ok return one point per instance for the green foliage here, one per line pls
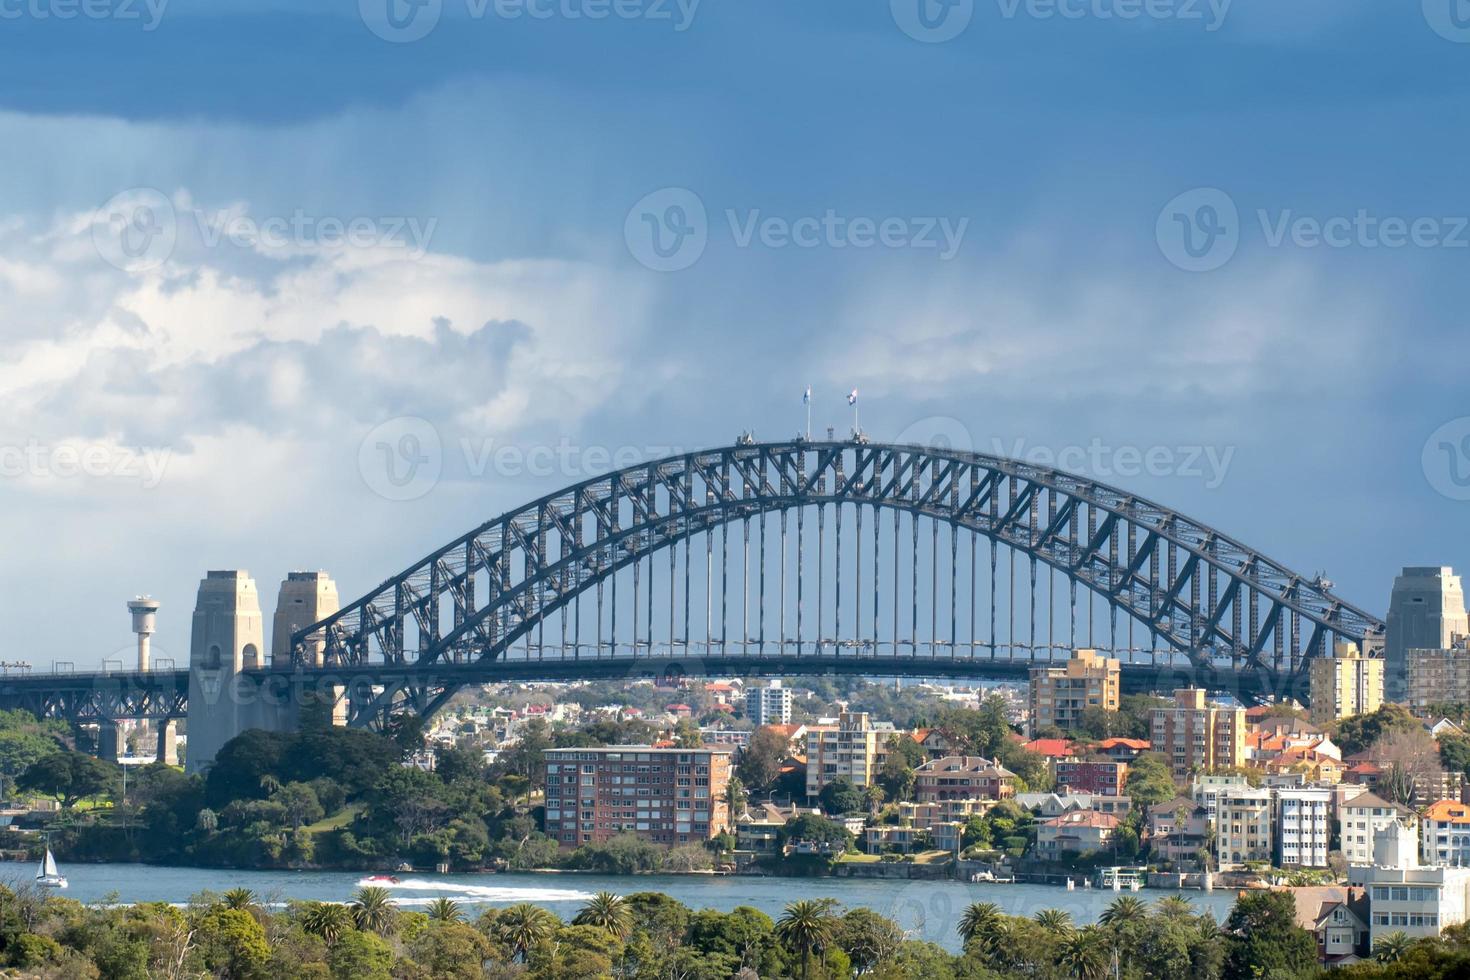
(69, 777)
(760, 760)
(1150, 780)
(1264, 939)
(840, 796)
(1361, 732)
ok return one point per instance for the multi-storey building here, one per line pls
(1059, 695)
(1081, 776)
(963, 777)
(1206, 791)
(1403, 895)
(1197, 736)
(1360, 818)
(854, 748)
(1243, 821)
(769, 704)
(1077, 832)
(1345, 684)
(1303, 827)
(1426, 611)
(1438, 676)
(664, 795)
(1179, 830)
(1444, 831)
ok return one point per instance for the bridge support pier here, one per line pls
(168, 742)
(228, 636)
(111, 742)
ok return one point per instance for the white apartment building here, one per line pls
(1403, 895)
(1303, 826)
(1206, 790)
(1444, 829)
(854, 747)
(768, 705)
(1362, 817)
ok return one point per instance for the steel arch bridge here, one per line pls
(1215, 612)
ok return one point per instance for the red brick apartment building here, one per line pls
(665, 795)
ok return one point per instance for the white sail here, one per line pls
(48, 866)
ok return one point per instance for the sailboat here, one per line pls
(47, 876)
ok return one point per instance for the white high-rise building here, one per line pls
(1303, 826)
(1426, 611)
(768, 705)
(1403, 895)
(1360, 818)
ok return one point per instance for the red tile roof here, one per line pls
(1054, 748)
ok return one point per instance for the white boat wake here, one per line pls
(477, 893)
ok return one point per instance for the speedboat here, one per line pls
(47, 876)
(381, 880)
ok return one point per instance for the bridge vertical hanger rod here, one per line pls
(934, 590)
(745, 590)
(649, 627)
(837, 580)
(709, 592)
(761, 601)
(637, 565)
(613, 579)
(821, 564)
(801, 541)
(688, 560)
(599, 619)
(857, 586)
(954, 616)
(875, 577)
(673, 585)
(990, 544)
(541, 590)
(896, 518)
(724, 581)
(781, 650)
(974, 547)
(914, 582)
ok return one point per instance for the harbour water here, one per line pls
(928, 910)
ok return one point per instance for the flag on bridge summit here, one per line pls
(806, 398)
(852, 397)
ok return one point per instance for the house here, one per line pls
(679, 710)
(1338, 917)
(1178, 830)
(1122, 749)
(1442, 726)
(1444, 833)
(963, 777)
(1362, 817)
(1052, 748)
(1052, 804)
(1313, 765)
(1077, 832)
(935, 743)
(1092, 776)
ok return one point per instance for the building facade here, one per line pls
(1082, 776)
(768, 704)
(1426, 611)
(1403, 895)
(1345, 684)
(1360, 818)
(1444, 833)
(1059, 695)
(1438, 676)
(664, 795)
(852, 748)
(1302, 830)
(1197, 736)
(963, 777)
(1243, 819)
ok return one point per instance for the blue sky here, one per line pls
(495, 169)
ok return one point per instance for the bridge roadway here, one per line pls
(83, 696)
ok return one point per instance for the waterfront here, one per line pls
(927, 910)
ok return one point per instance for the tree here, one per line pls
(301, 804)
(896, 776)
(807, 925)
(450, 950)
(231, 942)
(444, 910)
(1149, 780)
(523, 927)
(373, 910)
(1362, 732)
(827, 834)
(1411, 759)
(1124, 910)
(1084, 954)
(760, 760)
(1392, 947)
(841, 796)
(608, 912)
(1055, 921)
(242, 899)
(69, 777)
(867, 938)
(327, 920)
(978, 920)
(360, 956)
(1264, 939)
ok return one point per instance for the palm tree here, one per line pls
(1175, 907)
(270, 784)
(444, 910)
(807, 925)
(326, 919)
(608, 912)
(372, 910)
(1055, 921)
(1392, 947)
(523, 927)
(240, 899)
(1123, 911)
(978, 921)
(1084, 954)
